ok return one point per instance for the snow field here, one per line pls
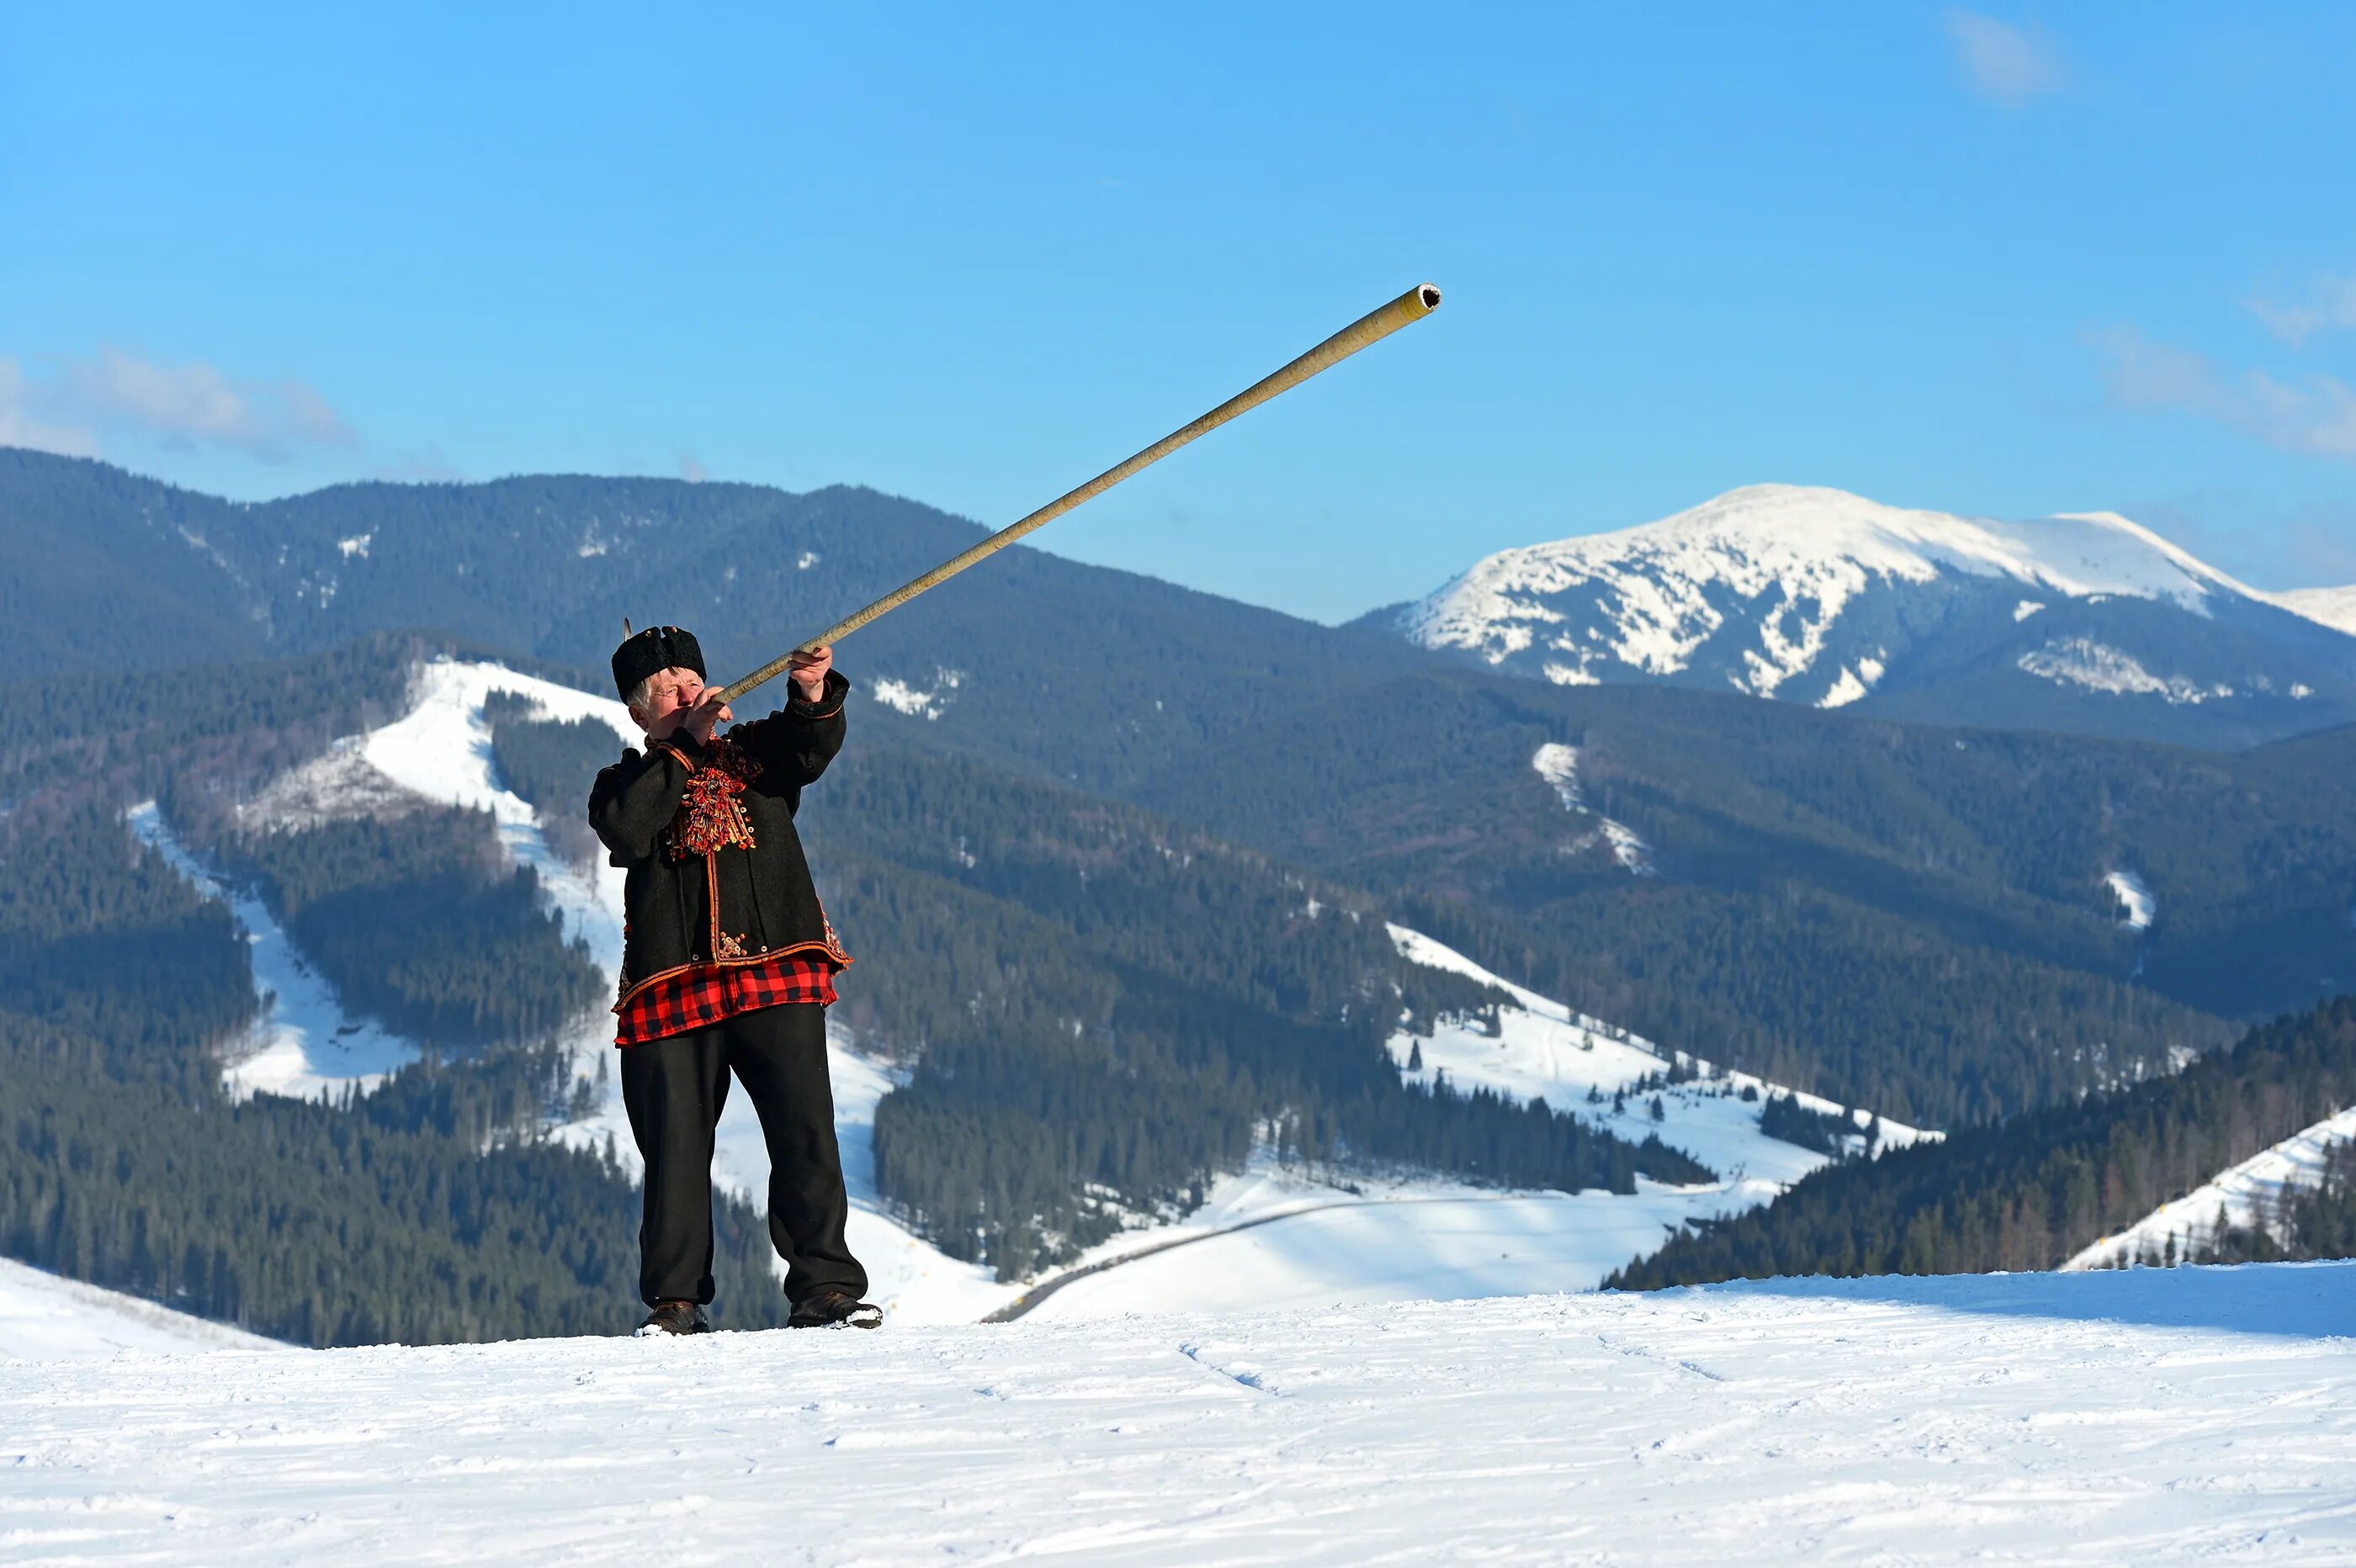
(2136, 904)
(44, 1317)
(2055, 1419)
(2098, 666)
(1276, 1236)
(2332, 607)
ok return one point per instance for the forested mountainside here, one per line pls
(1925, 920)
(2033, 1192)
(431, 1210)
(1102, 1010)
(1082, 673)
(418, 921)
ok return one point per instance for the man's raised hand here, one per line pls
(709, 713)
(809, 669)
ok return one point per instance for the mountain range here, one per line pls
(1975, 885)
(2087, 622)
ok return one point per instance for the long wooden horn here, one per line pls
(1413, 306)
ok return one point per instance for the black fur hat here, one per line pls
(657, 647)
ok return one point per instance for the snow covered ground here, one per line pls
(46, 1318)
(2332, 607)
(2243, 1195)
(2136, 902)
(2150, 1416)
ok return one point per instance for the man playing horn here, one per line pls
(728, 963)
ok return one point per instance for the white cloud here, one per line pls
(22, 425)
(181, 405)
(2009, 64)
(2330, 308)
(2317, 417)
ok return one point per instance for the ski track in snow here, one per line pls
(304, 1043)
(2243, 1195)
(1558, 765)
(2150, 1416)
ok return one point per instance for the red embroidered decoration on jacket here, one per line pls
(703, 996)
(710, 816)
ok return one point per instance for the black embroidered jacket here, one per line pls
(706, 834)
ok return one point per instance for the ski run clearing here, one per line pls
(2138, 1416)
(1267, 1236)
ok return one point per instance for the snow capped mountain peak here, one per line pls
(1754, 587)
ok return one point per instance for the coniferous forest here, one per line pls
(433, 1209)
(2032, 1192)
(2302, 1224)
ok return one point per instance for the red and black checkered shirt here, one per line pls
(703, 994)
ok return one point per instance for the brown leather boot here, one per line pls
(831, 1307)
(675, 1318)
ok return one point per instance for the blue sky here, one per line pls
(2007, 260)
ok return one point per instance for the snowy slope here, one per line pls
(2243, 1196)
(1287, 1237)
(1819, 596)
(46, 1318)
(2153, 1416)
(1543, 1050)
(2332, 607)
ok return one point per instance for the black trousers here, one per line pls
(674, 1088)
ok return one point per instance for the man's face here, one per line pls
(668, 692)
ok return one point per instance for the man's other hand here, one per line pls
(809, 669)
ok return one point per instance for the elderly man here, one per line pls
(728, 963)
